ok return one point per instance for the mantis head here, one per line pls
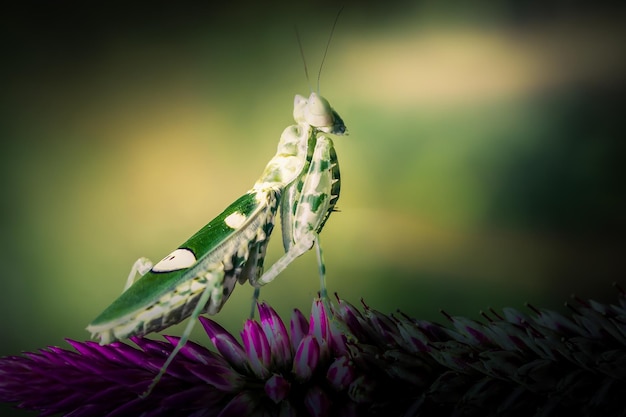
(317, 112)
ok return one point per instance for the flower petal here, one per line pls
(195, 352)
(277, 336)
(221, 377)
(353, 319)
(277, 388)
(361, 390)
(286, 409)
(318, 324)
(319, 327)
(257, 348)
(384, 328)
(317, 402)
(243, 404)
(226, 344)
(340, 373)
(299, 328)
(338, 337)
(307, 358)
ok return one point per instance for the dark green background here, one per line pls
(483, 167)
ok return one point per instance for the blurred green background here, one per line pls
(483, 166)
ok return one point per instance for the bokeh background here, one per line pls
(483, 166)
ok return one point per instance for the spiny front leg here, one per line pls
(320, 192)
(309, 203)
(294, 252)
(303, 245)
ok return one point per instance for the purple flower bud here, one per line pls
(307, 358)
(319, 328)
(257, 348)
(503, 334)
(116, 352)
(277, 336)
(452, 355)
(340, 374)
(299, 327)
(194, 351)
(226, 344)
(515, 316)
(153, 347)
(468, 331)
(286, 409)
(212, 401)
(557, 322)
(412, 339)
(384, 328)
(599, 307)
(434, 332)
(318, 324)
(277, 388)
(361, 390)
(337, 337)
(157, 351)
(220, 376)
(351, 316)
(317, 402)
(409, 376)
(243, 404)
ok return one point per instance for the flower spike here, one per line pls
(344, 362)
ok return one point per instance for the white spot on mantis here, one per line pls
(235, 220)
(179, 259)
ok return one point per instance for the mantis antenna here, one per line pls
(332, 30)
(306, 70)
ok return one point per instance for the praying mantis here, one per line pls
(301, 181)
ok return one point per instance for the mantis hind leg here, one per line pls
(211, 292)
(255, 301)
(322, 269)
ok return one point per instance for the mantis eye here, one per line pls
(299, 108)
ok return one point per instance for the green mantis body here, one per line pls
(301, 180)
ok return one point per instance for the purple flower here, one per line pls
(344, 361)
